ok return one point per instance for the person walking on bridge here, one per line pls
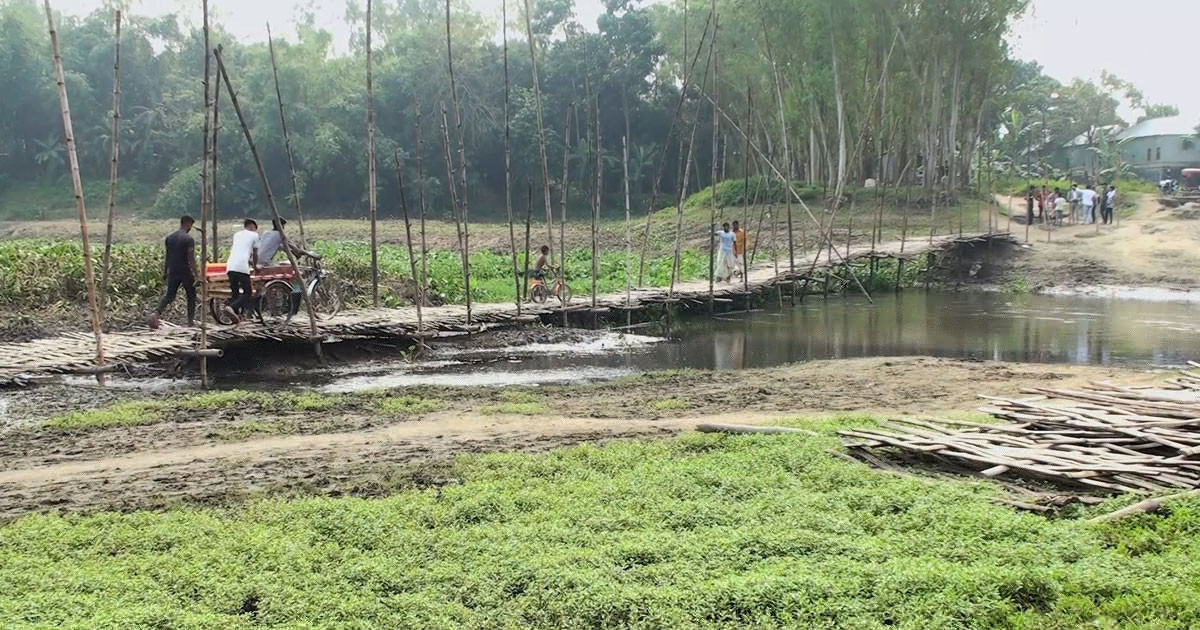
(242, 259)
(739, 249)
(179, 270)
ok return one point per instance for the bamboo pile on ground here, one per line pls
(1102, 438)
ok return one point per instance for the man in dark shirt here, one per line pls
(179, 268)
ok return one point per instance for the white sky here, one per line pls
(1148, 42)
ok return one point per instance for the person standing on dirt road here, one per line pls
(1087, 197)
(242, 255)
(179, 270)
(1110, 204)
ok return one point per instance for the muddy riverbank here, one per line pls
(208, 449)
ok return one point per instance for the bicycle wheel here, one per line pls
(216, 307)
(326, 301)
(275, 303)
(564, 293)
(539, 293)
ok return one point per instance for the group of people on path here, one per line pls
(1080, 205)
(731, 253)
(249, 251)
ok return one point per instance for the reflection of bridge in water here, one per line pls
(75, 353)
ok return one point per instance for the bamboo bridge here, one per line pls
(23, 363)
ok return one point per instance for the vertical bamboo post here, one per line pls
(205, 198)
(512, 237)
(537, 98)
(305, 297)
(787, 156)
(423, 284)
(372, 191)
(412, 258)
(452, 187)
(287, 140)
(106, 265)
(212, 176)
(462, 166)
(746, 204)
(596, 204)
(528, 223)
(77, 184)
(628, 222)
(716, 130)
(562, 206)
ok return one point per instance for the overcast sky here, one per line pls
(1148, 42)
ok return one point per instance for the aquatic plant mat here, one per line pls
(1102, 438)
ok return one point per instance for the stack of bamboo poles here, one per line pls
(1100, 438)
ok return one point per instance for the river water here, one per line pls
(971, 325)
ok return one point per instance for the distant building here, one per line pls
(1158, 148)
(1155, 149)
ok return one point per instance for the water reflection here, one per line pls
(990, 326)
(1042, 329)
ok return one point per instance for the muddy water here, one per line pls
(987, 326)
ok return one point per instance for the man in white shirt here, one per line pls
(1073, 200)
(1087, 197)
(242, 259)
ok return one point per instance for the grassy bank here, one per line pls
(699, 531)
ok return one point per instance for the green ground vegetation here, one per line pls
(408, 405)
(700, 531)
(119, 415)
(516, 402)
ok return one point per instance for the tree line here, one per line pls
(830, 92)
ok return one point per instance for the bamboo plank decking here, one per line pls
(74, 352)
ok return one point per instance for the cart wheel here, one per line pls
(275, 303)
(216, 307)
(326, 301)
(539, 293)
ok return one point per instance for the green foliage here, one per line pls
(1018, 286)
(516, 402)
(408, 405)
(48, 273)
(703, 531)
(737, 192)
(669, 404)
(118, 415)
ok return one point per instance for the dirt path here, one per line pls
(355, 451)
(1150, 248)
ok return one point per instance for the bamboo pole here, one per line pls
(528, 223)
(462, 167)
(205, 202)
(746, 203)
(716, 129)
(452, 188)
(412, 258)
(372, 191)
(537, 98)
(77, 184)
(562, 206)
(423, 286)
(512, 237)
(787, 156)
(287, 140)
(306, 298)
(106, 265)
(212, 177)
(628, 222)
(596, 203)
